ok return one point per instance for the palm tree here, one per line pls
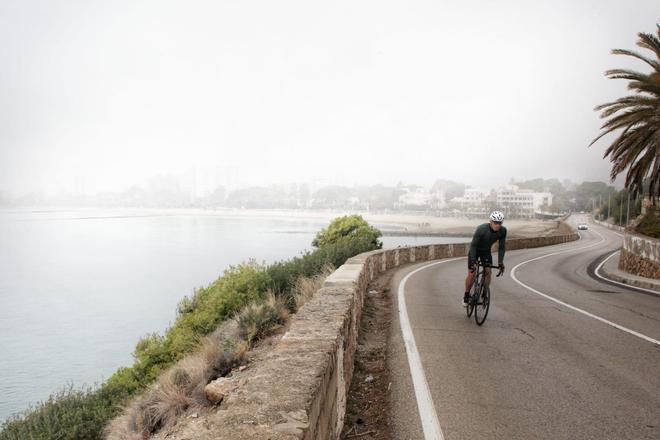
(637, 147)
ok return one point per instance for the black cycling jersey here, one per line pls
(483, 240)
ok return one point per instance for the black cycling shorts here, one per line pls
(485, 256)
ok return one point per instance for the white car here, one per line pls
(582, 226)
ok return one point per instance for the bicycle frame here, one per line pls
(480, 274)
(477, 289)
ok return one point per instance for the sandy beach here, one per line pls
(421, 224)
(390, 224)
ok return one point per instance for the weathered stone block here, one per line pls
(637, 265)
(218, 389)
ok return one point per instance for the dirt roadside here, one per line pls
(367, 412)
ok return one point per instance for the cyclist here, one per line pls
(482, 240)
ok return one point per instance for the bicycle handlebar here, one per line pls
(490, 266)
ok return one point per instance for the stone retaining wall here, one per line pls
(640, 255)
(299, 391)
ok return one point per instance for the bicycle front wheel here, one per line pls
(482, 306)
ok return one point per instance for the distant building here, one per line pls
(438, 199)
(473, 198)
(542, 199)
(516, 202)
(414, 196)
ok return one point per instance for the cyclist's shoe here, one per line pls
(466, 299)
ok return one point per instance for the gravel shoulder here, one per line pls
(367, 415)
(381, 386)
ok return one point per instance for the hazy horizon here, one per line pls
(106, 95)
(200, 189)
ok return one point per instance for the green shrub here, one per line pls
(348, 226)
(283, 275)
(238, 286)
(68, 415)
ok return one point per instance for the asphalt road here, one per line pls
(536, 369)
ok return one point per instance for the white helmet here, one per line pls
(497, 216)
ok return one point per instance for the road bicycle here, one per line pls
(479, 301)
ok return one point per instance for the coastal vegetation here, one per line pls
(218, 323)
(649, 225)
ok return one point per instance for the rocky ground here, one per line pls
(197, 421)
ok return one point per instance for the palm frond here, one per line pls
(654, 64)
(626, 74)
(650, 87)
(627, 101)
(625, 120)
(648, 41)
(636, 118)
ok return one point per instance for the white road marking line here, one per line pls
(577, 309)
(427, 413)
(630, 286)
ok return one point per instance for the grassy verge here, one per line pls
(83, 414)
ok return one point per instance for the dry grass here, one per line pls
(180, 389)
(260, 319)
(306, 287)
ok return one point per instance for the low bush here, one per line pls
(649, 224)
(69, 414)
(348, 226)
(283, 275)
(259, 319)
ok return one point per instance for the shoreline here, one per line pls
(403, 223)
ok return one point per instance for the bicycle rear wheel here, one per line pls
(482, 305)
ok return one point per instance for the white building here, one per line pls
(473, 197)
(521, 202)
(438, 199)
(542, 199)
(415, 196)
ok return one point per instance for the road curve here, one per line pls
(537, 369)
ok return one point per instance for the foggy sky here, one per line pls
(347, 92)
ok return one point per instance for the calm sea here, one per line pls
(78, 288)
